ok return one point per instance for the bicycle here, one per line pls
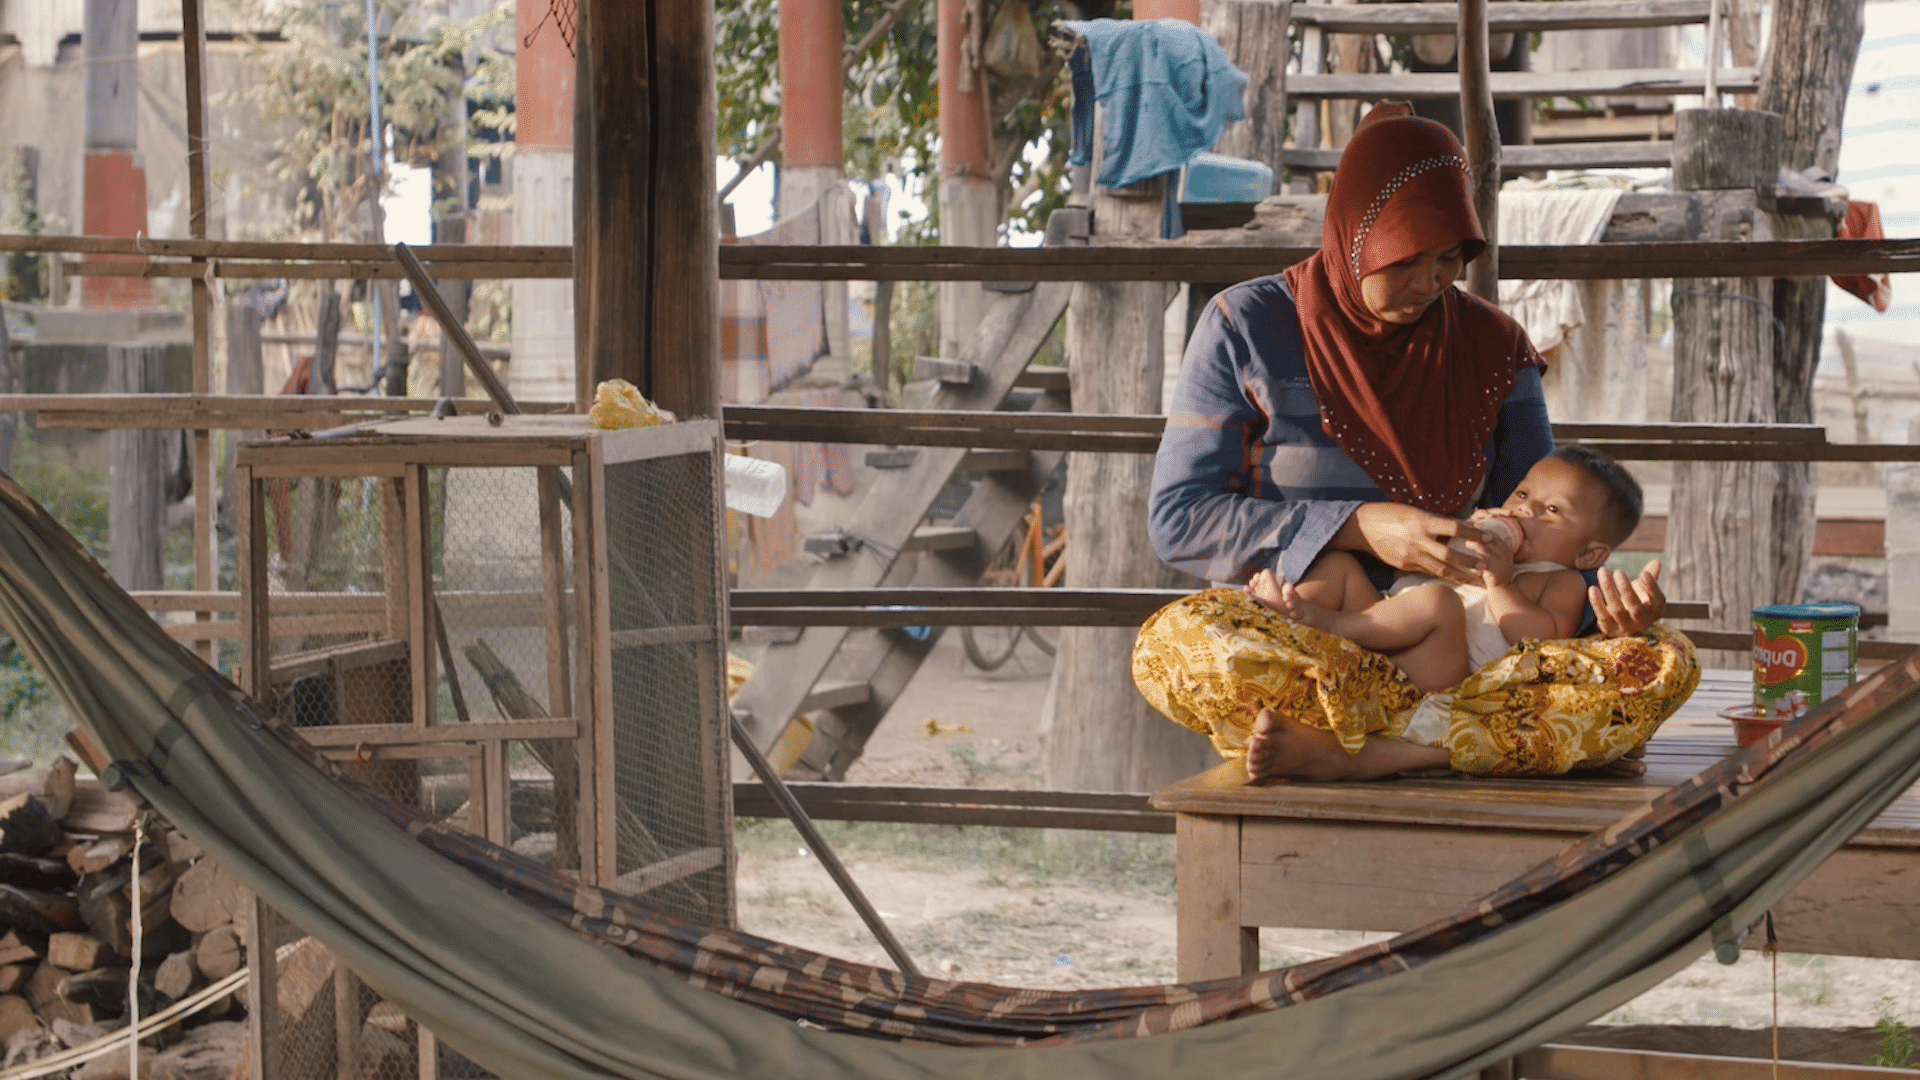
(1033, 557)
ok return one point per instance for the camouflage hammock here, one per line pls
(531, 976)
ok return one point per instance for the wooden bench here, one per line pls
(1395, 855)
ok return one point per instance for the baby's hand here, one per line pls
(1265, 587)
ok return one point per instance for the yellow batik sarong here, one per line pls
(1213, 660)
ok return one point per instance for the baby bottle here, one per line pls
(1504, 527)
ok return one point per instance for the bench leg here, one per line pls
(1212, 943)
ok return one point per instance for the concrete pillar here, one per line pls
(543, 339)
(114, 185)
(969, 198)
(812, 161)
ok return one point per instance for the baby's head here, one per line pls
(1574, 507)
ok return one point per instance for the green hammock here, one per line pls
(532, 977)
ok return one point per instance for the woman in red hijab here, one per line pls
(1358, 401)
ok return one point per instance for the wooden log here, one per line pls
(1720, 546)
(13, 977)
(1102, 736)
(16, 950)
(97, 856)
(136, 485)
(15, 1016)
(77, 952)
(218, 954)
(35, 872)
(1505, 18)
(176, 975)
(106, 911)
(57, 786)
(26, 828)
(206, 897)
(43, 993)
(97, 811)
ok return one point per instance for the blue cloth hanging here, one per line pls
(1168, 88)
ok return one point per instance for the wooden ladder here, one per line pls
(1318, 19)
(850, 679)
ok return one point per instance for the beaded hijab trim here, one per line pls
(1386, 193)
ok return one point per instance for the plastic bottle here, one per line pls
(755, 485)
(1497, 525)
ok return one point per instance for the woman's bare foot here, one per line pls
(1283, 748)
(1286, 749)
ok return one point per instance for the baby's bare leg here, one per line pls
(1422, 630)
(1283, 748)
(1336, 580)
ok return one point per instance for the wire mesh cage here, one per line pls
(518, 630)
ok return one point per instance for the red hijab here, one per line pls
(1413, 404)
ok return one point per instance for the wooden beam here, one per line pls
(1502, 18)
(1106, 811)
(1564, 1062)
(1615, 155)
(1623, 82)
(1150, 261)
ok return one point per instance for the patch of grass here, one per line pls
(1019, 858)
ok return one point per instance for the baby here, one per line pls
(1572, 508)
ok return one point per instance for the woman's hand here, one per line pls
(1409, 538)
(1622, 606)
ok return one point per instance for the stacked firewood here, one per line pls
(67, 851)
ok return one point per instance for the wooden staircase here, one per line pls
(1318, 19)
(853, 679)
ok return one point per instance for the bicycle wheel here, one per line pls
(1041, 640)
(989, 647)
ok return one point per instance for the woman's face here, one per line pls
(1400, 292)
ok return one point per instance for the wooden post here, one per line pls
(1254, 37)
(1805, 77)
(1720, 545)
(1481, 131)
(326, 342)
(246, 374)
(646, 227)
(1100, 733)
(9, 384)
(136, 485)
(206, 539)
(451, 228)
(263, 986)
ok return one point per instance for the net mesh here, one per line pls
(347, 647)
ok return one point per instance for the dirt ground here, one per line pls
(1020, 908)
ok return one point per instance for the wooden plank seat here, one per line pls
(1397, 854)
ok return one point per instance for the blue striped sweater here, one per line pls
(1247, 480)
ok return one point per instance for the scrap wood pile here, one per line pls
(66, 931)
